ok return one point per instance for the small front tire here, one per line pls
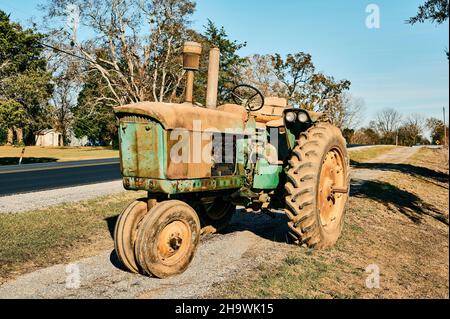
(167, 239)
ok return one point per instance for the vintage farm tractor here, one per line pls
(198, 163)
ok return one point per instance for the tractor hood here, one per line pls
(183, 116)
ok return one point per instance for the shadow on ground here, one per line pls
(272, 226)
(402, 201)
(416, 171)
(26, 160)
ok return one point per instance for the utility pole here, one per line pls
(445, 129)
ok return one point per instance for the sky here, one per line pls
(396, 65)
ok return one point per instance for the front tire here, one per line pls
(318, 186)
(167, 239)
(125, 233)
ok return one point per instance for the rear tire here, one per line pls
(318, 186)
(167, 239)
(217, 214)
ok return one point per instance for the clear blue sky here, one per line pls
(397, 65)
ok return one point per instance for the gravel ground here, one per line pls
(36, 200)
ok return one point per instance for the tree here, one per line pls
(137, 48)
(24, 79)
(259, 72)
(411, 130)
(303, 86)
(387, 123)
(92, 115)
(230, 62)
(365, 136)
(346, 112)
(12, 115)
(436, 11)
(436, 128)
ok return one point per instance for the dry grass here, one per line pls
(398, 222)
(67, 232)
(365, 154)
(37, 154)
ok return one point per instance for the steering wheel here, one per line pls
(248, 96)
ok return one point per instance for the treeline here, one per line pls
(391, 128)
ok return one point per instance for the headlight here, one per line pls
(303, 117)
(291, 117)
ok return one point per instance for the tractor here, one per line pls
(198, 163)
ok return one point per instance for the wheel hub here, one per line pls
(332, 186)
(173, 242)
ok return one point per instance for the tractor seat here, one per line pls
(272, 110)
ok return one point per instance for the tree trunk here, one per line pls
(10, 139)
(19, 134)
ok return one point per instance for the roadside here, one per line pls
(252, 259)
(10, 155)
(40, 200)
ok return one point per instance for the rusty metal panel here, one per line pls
(183, 186)
(194, 164)
(142, 147)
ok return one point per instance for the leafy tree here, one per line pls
(12, 115)
(436, 11)
(366, 136)
(436, 128)
(23, 77)
(230, 62)
(305, 87)
(93, 115)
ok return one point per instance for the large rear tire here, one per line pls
(318, 186)
(167, 239)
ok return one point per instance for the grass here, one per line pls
(40, 238)
(365, 154)
(35, 154)
(434, 158)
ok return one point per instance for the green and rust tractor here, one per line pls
(199, 163)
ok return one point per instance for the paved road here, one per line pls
(16, 179)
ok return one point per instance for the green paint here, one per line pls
(266, 176)
(142, 147)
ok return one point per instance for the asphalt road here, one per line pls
(16, 179)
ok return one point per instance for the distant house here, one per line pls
(48, 138)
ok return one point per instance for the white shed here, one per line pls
(48, 138)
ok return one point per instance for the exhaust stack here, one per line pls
(213, 78)
(191, 63)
